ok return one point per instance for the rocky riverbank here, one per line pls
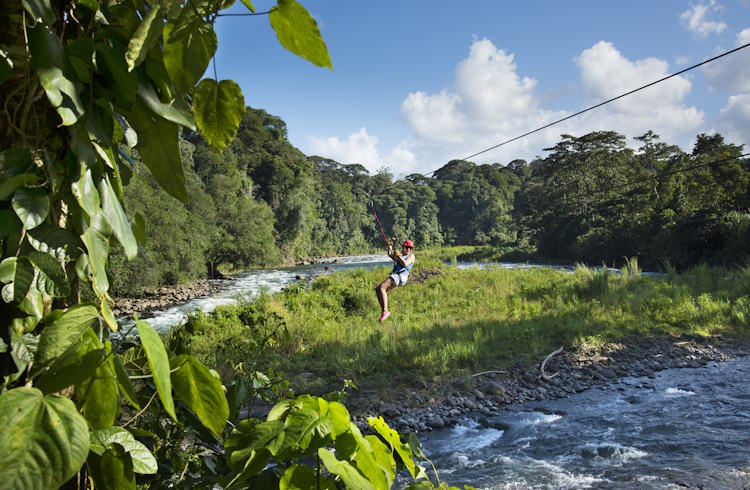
(483, 394)
(167, 296)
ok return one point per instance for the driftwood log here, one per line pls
(544, 363)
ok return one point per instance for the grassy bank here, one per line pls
(458, 322)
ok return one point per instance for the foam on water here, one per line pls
(539, 418)
(469, 435)
(677, 391)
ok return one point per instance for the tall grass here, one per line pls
(463, 321)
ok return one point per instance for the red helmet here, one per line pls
(408, 243)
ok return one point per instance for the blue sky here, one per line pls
(417, 83)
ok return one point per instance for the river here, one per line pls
(683, 428)
(678, 428)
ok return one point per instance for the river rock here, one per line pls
(494, 388)
(436, 422)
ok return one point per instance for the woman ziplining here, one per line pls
(402, 264)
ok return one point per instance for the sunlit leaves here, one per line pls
(18, 274)
(158, 146)
(43, 441)
(50, 239)
(346, 471)
(48, 58)
(249, 5)
(218, 108)
(97, 395)
(300, 477)
(96, 239)
(201, 391)
(31, 204)
(394, 440)
(64, 331)
(51, 279)
(144, 37)
(177, 111)
(158, 363)
(85, 192)
(143, 461)
(187, 53)
(117, 218)
(298, 32)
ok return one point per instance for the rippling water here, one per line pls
(683, 428)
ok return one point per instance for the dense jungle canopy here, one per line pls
(591, 198)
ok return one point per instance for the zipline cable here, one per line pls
(603, 103)
(372, 206)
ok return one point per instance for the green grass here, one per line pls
(462, 322)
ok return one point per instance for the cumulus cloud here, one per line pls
(492, 102)
(489, 102)
(359, 147)
(734, 119)
(733, 72)
(606, 73)
(696, 20)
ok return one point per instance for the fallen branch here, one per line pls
(544, 363)
(472, 376)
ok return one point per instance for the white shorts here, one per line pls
(400, 278)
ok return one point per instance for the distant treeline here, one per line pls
(591, 199)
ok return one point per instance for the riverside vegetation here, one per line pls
(448, 324)
(85, 86)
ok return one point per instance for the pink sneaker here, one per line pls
(384, 315)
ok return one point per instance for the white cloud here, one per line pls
(606, 73)
(492, 102)
(359, 147)
(695, 19)
(734, 120)
(733, 72)
(682, 60)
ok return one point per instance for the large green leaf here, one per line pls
(394, 440)
(373, 458)
(298, 32)
(249, 437)
(195, 385)
(63, 332)
(159, 149)
(218, 108)
(117, 218)
(40, 9)
(112, 470)
(58, 242)
(97, 396)
(96, 239)
(9, 185)
(175, 111)
(31, 206)
(19, 275)
(143, 461)
(48, 58)
(144, 37)
(158, 363)
(352, 478)
(299, 477)
(304, 429)
(73, 367)
(85, 191)
(186, 56)
(51, 279)
(126, 387)
(43, 442)
(111, 64)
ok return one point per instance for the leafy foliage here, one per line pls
(91, 90)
